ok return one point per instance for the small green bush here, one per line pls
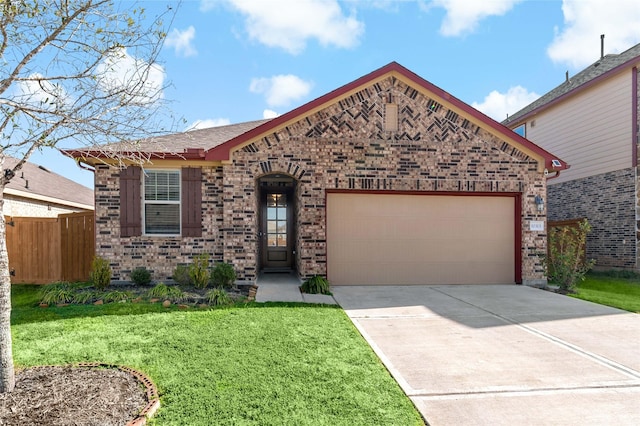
(100, 275)
(316, 285)
(141, 276)
(117, 296)
(566, 264)
(57, 293)
(223, 275)
(163, 291)
(199, 271)
(218, 297)
(181, 275)
(84, 297)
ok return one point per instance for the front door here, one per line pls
(277, 230)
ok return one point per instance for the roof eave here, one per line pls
(89, 155)
(48, 199)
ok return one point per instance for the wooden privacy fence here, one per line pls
(46, 250)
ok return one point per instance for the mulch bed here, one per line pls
(73, 396)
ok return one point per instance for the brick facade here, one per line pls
(608, 201)
(341, 147)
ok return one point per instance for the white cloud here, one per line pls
(497, 105)
(267, 113)
(578, 43)
(280, 90)
(136, 81)
(463, 15)
(207, 123)
(290, 24)
(41, 93)
(182, 41)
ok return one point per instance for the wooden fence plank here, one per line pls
(78, 245)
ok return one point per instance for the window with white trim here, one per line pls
(161, 206)
(521, 130)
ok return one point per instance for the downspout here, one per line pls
(85, 166)
(634, 115)
(634, 140)
(554, 176)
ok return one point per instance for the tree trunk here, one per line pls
(7, 374)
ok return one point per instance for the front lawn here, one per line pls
(270, 364)
(611, 290)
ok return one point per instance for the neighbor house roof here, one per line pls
(38, 183)
(604, 68)
(218, 143)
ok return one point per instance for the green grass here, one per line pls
(271, 364)
(611, 289)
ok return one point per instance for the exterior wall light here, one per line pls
(539, 203)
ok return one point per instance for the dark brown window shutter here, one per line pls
(192, 202)
(130, 199)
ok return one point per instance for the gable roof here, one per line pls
(218, 143)
(223, 151)
(39, 183)
(604, 68)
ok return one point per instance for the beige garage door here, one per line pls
(381, 239)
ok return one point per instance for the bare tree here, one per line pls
(79, 71)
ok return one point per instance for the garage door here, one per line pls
(382, 239)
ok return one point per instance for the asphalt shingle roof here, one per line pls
(37, 180)
(593, 71)
(196, 139)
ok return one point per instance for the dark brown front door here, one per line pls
(277, 230)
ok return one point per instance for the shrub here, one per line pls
(199, 271)
(223, 275)
(218, 297)
(84, 297)
(566, 263)
(141, 276)
(57, 293)
(181, 275)
(100, 275)
(316, 285)
(163, 291)
(117, 296)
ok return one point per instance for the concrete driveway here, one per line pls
(503, 355)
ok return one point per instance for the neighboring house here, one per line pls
(386, 180)
(37, 192)
(591, 121)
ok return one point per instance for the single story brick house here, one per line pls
(386, 180)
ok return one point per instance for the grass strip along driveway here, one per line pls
(622, 292)
(255, 364)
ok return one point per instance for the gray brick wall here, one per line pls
(608, 201)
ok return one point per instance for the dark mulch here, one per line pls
(72, 396)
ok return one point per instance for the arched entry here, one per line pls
(276, 222)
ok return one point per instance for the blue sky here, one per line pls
(229, 61)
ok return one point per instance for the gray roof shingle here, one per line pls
(38, 180)
(195, 139)
(593, 71)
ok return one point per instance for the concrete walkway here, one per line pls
(285, 287)
(503, 355)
